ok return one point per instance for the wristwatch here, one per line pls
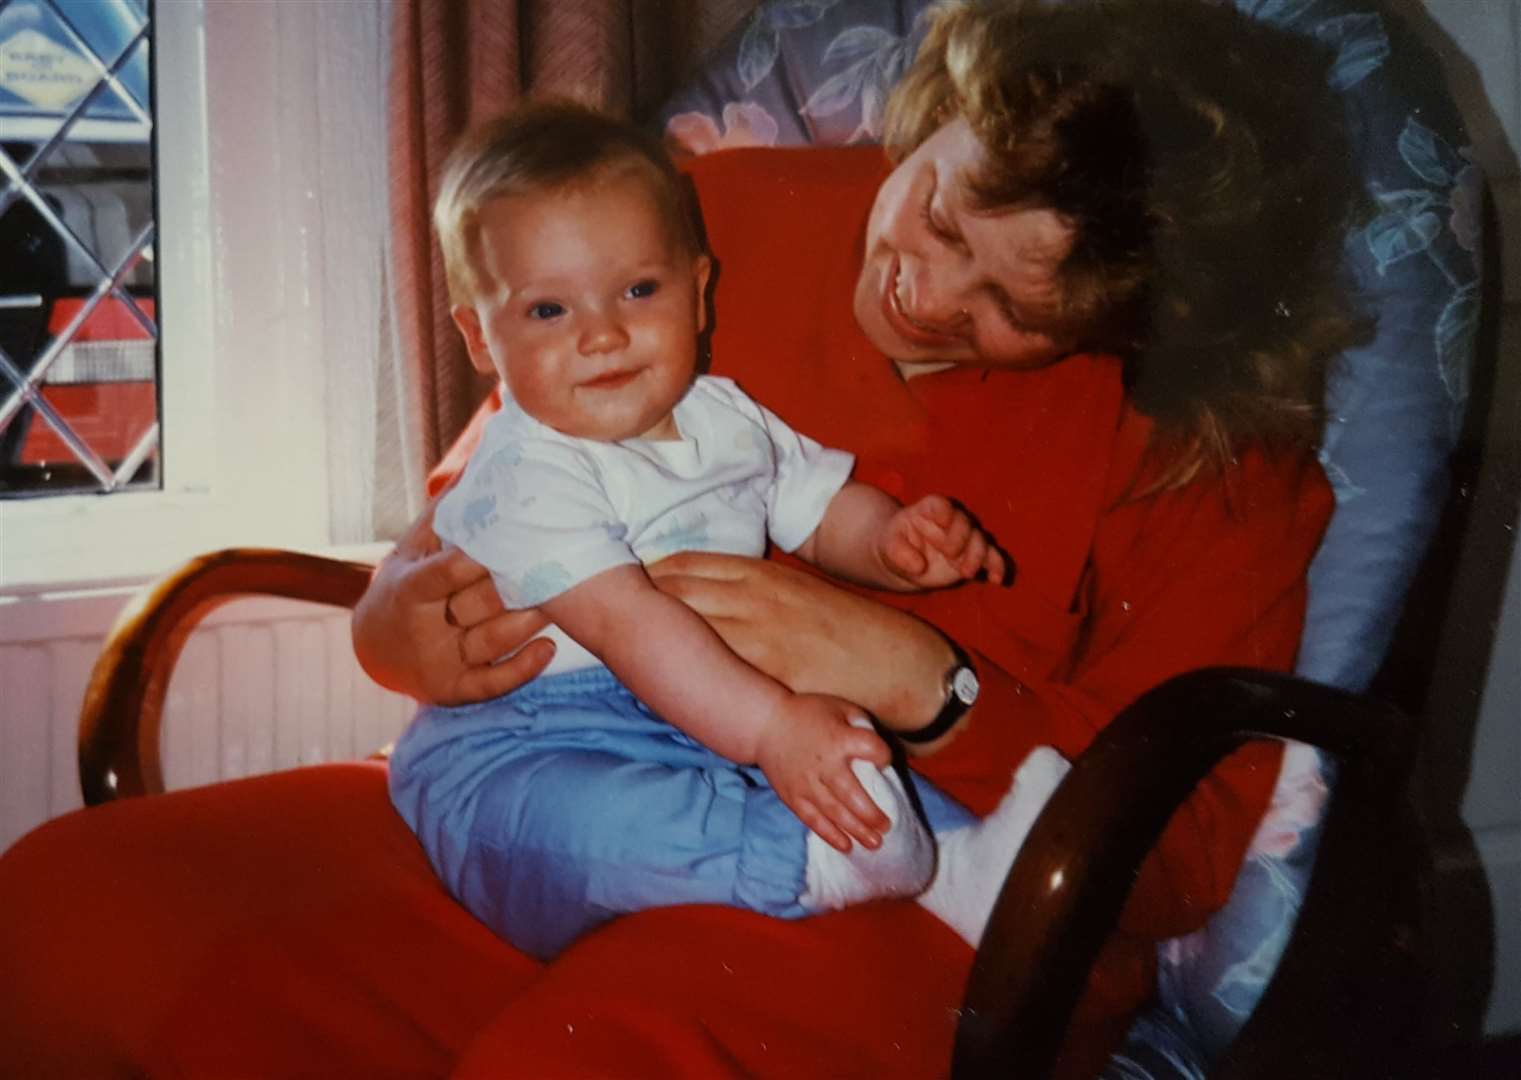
(961, 688)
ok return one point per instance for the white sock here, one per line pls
(900, 867)
(975, 859)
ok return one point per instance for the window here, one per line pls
(269, 135)
(78, 336)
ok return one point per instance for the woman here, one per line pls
(1092, 299)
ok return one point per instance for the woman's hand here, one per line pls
(432, 626)
(815, 637)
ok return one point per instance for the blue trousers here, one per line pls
(557, 807)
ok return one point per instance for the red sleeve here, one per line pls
(1209, 574)
(454, 460)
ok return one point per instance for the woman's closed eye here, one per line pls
(939, 228)
(936, 221)
(545, 309)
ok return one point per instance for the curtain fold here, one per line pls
(455, 63)
(451, 64)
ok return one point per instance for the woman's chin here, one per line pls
(904, 352)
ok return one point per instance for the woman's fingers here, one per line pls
(489, 641)
(703, 565)
(714, 586)
(812, 635)
(435, 578)
(483, 682)
(474, 604)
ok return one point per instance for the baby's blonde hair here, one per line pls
(545, 146)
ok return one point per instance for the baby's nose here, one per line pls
(602, 333)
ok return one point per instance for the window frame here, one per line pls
(243, 438)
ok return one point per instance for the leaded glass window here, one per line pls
(79, 362)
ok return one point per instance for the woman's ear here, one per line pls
(469, 322)
(702, 270)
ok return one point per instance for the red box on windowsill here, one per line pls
(103, 385)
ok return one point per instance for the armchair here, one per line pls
(1345, 999)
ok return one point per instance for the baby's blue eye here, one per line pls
(546, 310)
(643, 289)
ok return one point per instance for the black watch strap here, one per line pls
(961, 690)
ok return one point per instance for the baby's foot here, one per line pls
(900, 867)
(975, 859)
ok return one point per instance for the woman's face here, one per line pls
(943, 282)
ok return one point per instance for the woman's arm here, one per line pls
(1211, 574)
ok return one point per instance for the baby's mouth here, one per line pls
(612, 380)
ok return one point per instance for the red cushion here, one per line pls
(289, 924)
(286, 920)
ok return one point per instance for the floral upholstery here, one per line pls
(805, 71)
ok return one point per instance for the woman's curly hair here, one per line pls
(1201, 158)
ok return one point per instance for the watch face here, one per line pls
(964, 685)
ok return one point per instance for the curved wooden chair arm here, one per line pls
(1064, 894)
(119, 721)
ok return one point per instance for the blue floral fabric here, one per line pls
(819, 71)
(798, 72)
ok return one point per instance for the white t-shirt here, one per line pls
(545, 511)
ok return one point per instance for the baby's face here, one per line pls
(594, 308)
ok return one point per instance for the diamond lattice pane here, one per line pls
(78, 335)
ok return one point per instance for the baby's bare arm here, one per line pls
(868, 537)
(846, 540)
(676, 664)
(670, 659)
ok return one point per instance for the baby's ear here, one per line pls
(702, 270)
(469, 322)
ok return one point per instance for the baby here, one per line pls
(650, 765)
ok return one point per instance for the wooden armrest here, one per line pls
(1064, 894)
(119, 721)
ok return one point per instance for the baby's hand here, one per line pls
(806, 753)
(933, 543)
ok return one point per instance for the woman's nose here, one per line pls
(929, 293)
(601, 333)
